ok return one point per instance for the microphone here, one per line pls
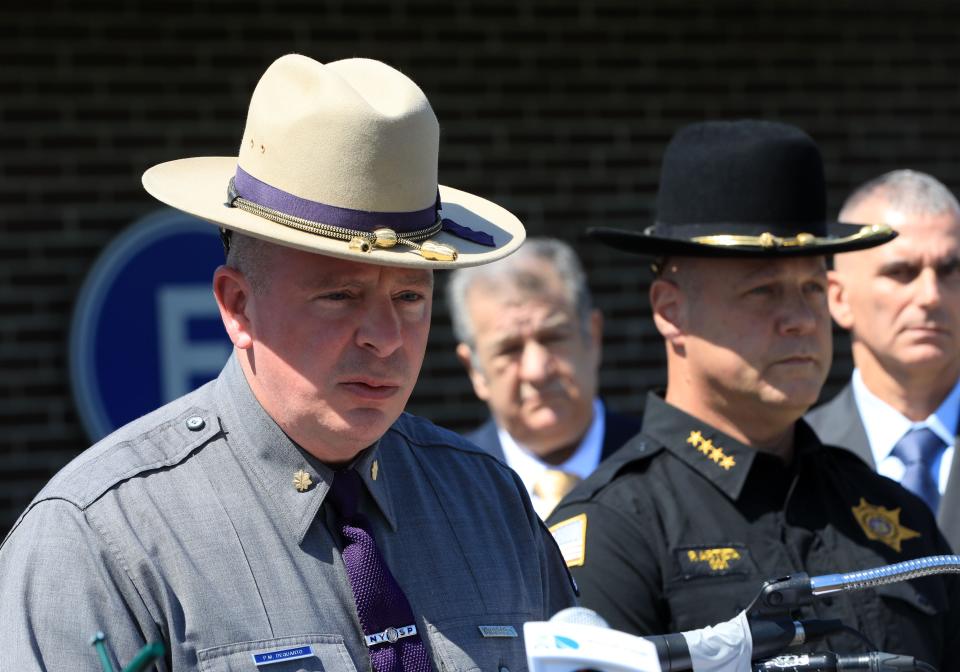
(732, 643)
(798, 590)
(874, 661)
(579, 639)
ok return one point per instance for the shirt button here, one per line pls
(195, 423)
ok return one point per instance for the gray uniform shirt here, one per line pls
(185, 527)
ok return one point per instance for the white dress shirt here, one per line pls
(582, 463)
(885, 426)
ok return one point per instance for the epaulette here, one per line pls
(632, 455)
(421, 432)
(160, 439)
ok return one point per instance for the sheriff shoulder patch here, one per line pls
(571, 537)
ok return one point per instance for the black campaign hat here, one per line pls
(743, 189)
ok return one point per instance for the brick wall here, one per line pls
(559, 109)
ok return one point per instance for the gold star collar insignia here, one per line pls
(711, 451)
(881, 524)
(302, 481)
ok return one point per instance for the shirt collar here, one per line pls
(274, 459)
(719, 458)
(885, 425)
(582, 463)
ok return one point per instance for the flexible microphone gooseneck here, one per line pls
(798, 590)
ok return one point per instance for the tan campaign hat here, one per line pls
(341, 159)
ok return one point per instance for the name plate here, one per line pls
(280, 655)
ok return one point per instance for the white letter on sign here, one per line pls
(181, 359)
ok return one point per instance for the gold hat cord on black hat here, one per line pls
(361, 241)
(767, 240)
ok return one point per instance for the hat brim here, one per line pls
(198, 186)
(840, 237)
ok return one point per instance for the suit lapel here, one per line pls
(617, 430)
(948, 517)
(486, 437)
(838, 423)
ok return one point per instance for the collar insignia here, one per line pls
(302, 481)
(706, 448)
(880, 524)
(374, 469)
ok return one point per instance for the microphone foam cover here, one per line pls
(579, 616)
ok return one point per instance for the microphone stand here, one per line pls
(781, 596)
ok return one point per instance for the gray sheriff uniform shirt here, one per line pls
(185, 527)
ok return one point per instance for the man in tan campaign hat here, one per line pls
(289, 511)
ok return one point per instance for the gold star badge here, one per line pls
(880, 524)
(302, 481)
(695, 438)
(374, 469)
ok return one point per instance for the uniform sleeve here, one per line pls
(558, 585)
(613, 564)
(60, 585)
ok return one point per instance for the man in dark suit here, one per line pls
(901, 304)
(530, 340)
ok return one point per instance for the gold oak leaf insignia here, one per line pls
(302, 481)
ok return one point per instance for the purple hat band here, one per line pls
(252, 189)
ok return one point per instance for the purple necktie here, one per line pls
(386, 617)
(919, 449)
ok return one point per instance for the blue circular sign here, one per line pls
(146, 328)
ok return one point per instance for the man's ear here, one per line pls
(838, 297)
(233, 294)
(667, 305)
(477, 379)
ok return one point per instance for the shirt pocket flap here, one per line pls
(491, 643)
(301, 653)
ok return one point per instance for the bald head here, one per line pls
(900, 199)
(901, 300)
